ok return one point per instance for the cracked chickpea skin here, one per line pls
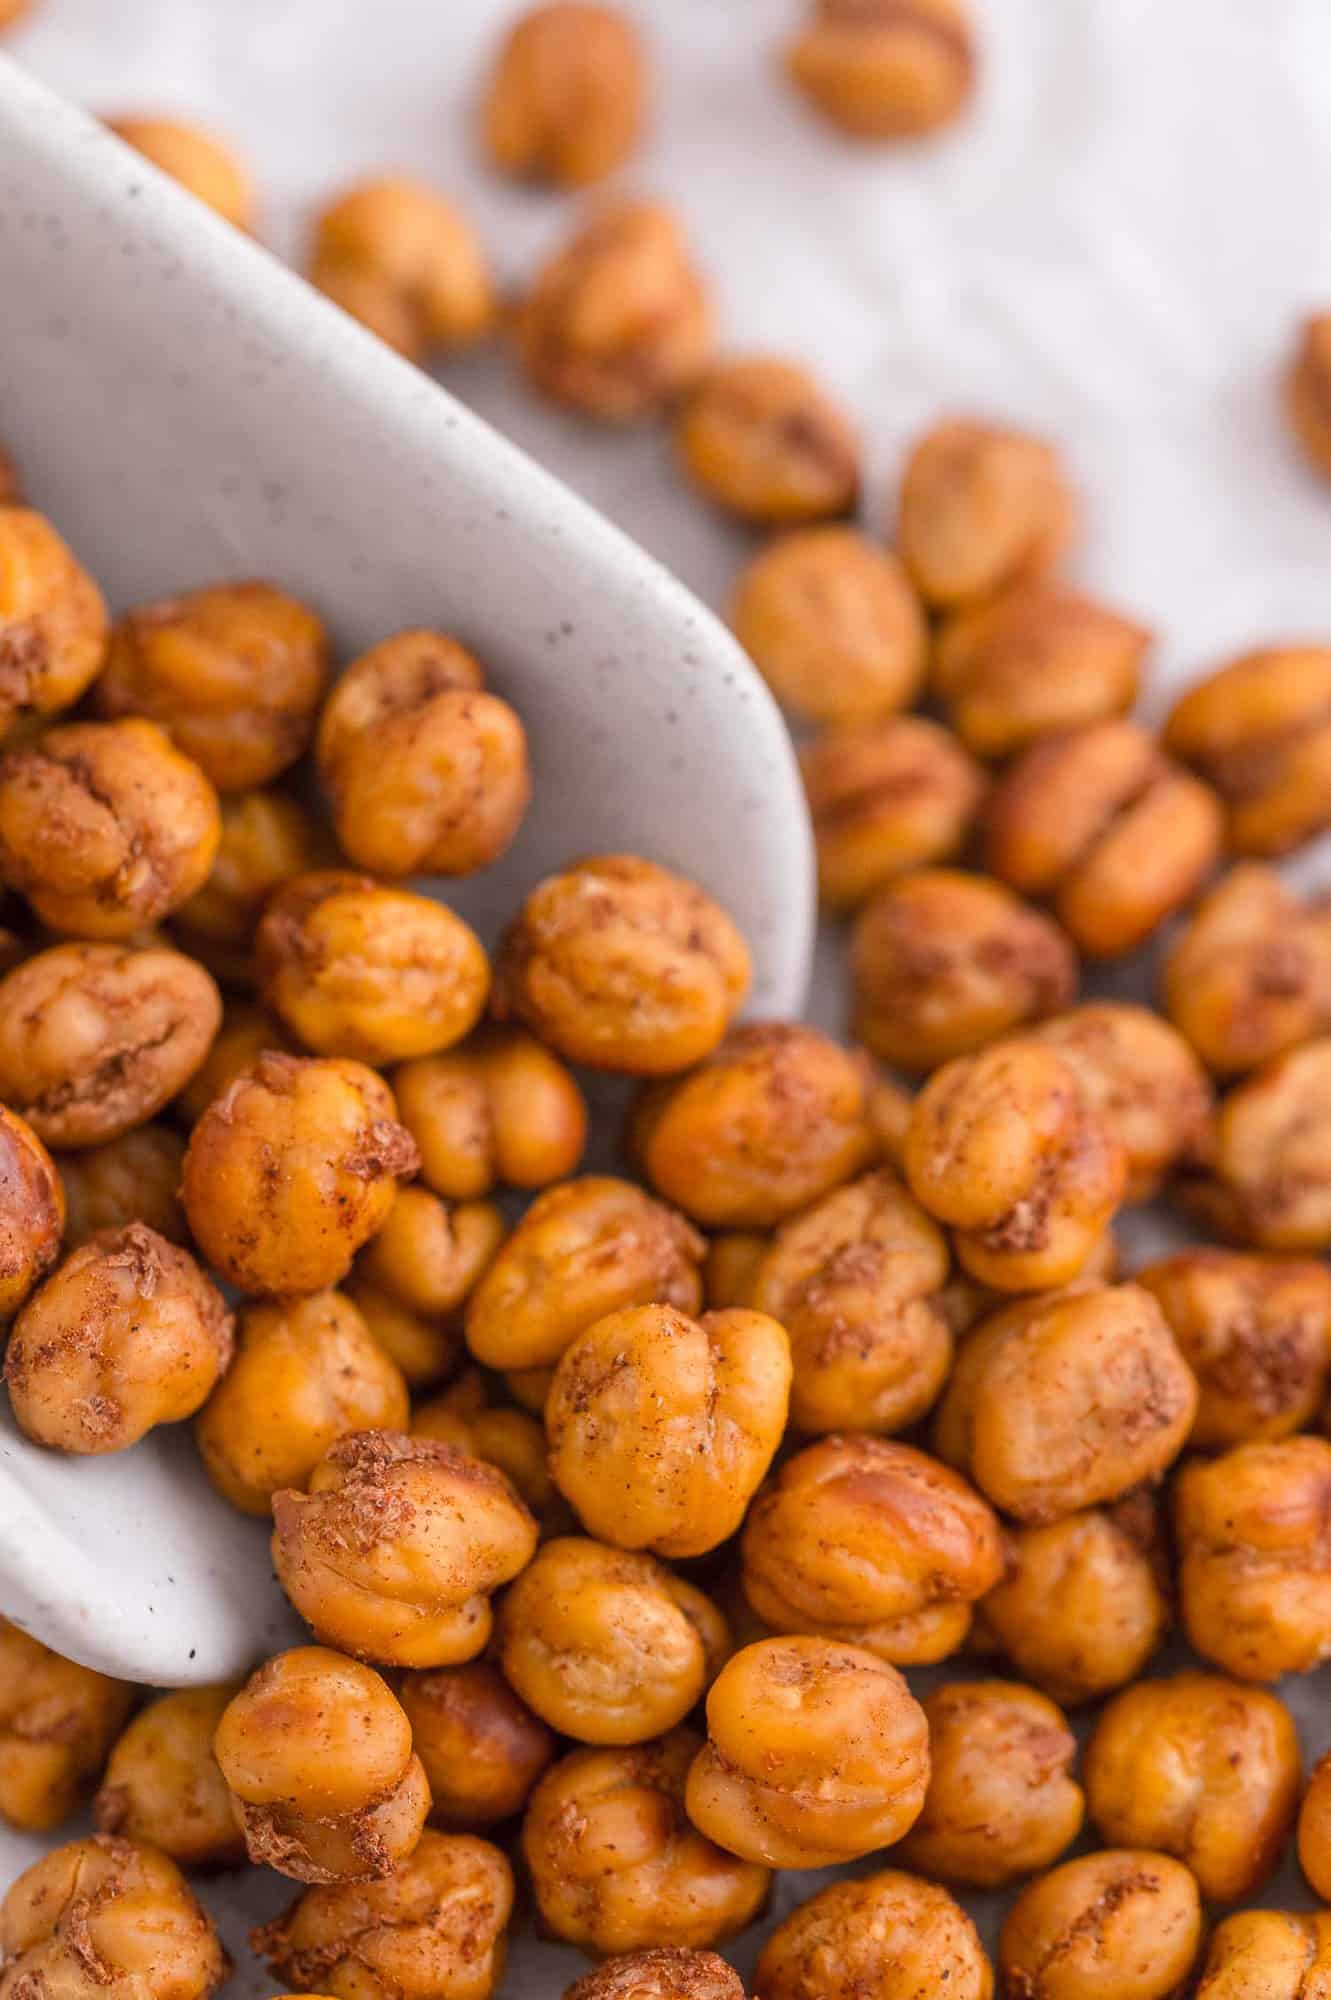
(1268, 1955)
(482, 1748)
(1144, 1080)
(667, 1973)
(163, 1785)
(1264, 1177)
(884, 70)
(566, 101)
(202, 163)
(891, 1934)
(762, 439)
(32, 1211)
(1259, 730)
(501, 1110)
(886, 798)
(57, 1722)
(1249, 976)
(407, 264)
(1125, 1923)
(267, 838)
(53, 622)
(981, 509)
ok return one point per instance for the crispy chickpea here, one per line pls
(32, 1211)
(425, 1347)
(1259, 730)
(618, 322)
(615, 1863)
(622, 965)
(202, 163)
(816, 1753)
(1307, 392)
(730, 1269)
(879, 69)
(1008, 1147)
(1315, 1826)
(425, 769)
(135, 1178)
(1268, 1955)
(886, 798)
(662, 1427)
(357, 969)
(833, 624)
(316, 1752)
(407, 264)
(233, 672)
(1201, 1768)
(163, 1784)
(248, 1031)
(566, 99)
(667, 1973)
(104, 1916)
(944, 962)
(1140, 1075)
(267, 839)
(292, 1169)
(868, 1541)
(1249, 977)
(307, 1372)
(483, 1749)
(1125, 1923)
(511, 1439)
(776, 1117)
(499, 1111)
(1264, 1177)
(763, 440)
(53, 621)
(981, 509)
(1254, 1541)
(583, 1249)
(891, 1935)
(104, 827)
(427, 1258)
(57, 1722)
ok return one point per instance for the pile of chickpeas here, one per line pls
(614, 1526)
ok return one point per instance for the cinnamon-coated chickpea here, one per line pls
(204, 165)
(501, 1110)
(247, 1032)
(833, 624)
(566, 101)
(316, 1752)
(1259, 730)
(666, 1973)
(53, 621)
(1315, 1827)
(878, 69)
(307, 1372)
(980, 509)
(104, 827)
(32, 1211)
(868, 1541)
(1268, 1955)
(267, 839)
(891, 1934)
(1249, 976)
(511, 1439)
(1125, 1923)
(163, 1785)
(234, 672)
(764, 440)
(1307, 392)
(407, 264)
(1264, 1176)
(618, 322)
(816, 1753)
(1139, 1073)
(426, 770)
(483, 1750)
(57, 1722)
(292, 1169)
(730, 1269)
(135, 1178)
(616, 1864)
(662, 1427)
(886, 798)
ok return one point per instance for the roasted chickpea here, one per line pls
(500, 1110)
(816, 1753)
(57, 1722)
(730, 1269)
(292, 1169)
(267, 839)
(135, 1178)
(619, 321)
(583, 1249)
(483, 1749)
(233, 672)
(763, 440)
(103, 1916)
(204, 165)
(833, 624)
(1008, 1147)
(886, 798)
(105, 828)
(566, 100)
(407, 264)
(1264, 1177)
(426, 770)
(882, 70)
(307, 1372)
(163, 1784)
(427, 1258)
(12, 11)
(945, 962)
(1268, 1955)
(1148, 1086)
(248, 1031)
(1254, 1543)
(53, 621)
(981, 509)
(890, 1935)
(316, 1752)
(1307, 390)
(1125, 1923)
(32, 1211)
(616, 1865)
(1259, 730)
(667, 1973)
(435, 1929)
(1249, 977)
(511, 1439)
(1315, 1825)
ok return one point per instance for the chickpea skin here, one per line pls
(664, 1974)
(617, 1866)
(891, 1935)
(981, 509)
(53, 622)
(879, 70)
(1249, 976)
(566, 102)
(57, 1722)
(816, 1753)
(500, 1111)
(886, 798)
(763, 440)
(292, 1169)
(1315, 1828)
(407, 264)
(483, 1750)
(204, 165)
(425, 769)
(163, 1785)
(135, 1178)
(32, 1211)
(1125, 1923)
(1259, 730)
(1268, 1955)
(1307, 392)
(1144, 1080)
(267, 839)
(511, 1439)
(1264, 1177)
(233, 672)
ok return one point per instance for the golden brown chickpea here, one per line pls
(500, 1110)
(407, 264)
(233, 672)
(307, 1372)
(879, 69)
(247, 1032)
(32, 1211)
(763, 440)
(53, 621)
(428, 1257)
(426, 770)
(1254, 1544)
(615, 1864)
(292, 1169)
(202, 163)
(1264, 1176)
(105, 828)
(357, 969)
(981, 509)
(816, 1753)
(511, 1439)
(1249, 977)
(103, 1916)
(1008, 1148)
(483, 1749)
(886, 798)
(57, 1722)
(566, 99)
(135, 1178)
(945, 962)
(1315, 1826)
(393, 1552)
(776, 1117)
(1125, 1923)
(529, 1388)
(316, 1752)
(868, 1541)
(163, 1784)
(1268, 1955)
(267, 839)
(427, 1349)
(667, 1973)
(1259, 730)
(833, 624)
(730, 1269)
(662, 1427)
(618, 322)
(1140, 1075)
(890, 1935)
(1201, 1768)
(1307, 390)
(583, 1249)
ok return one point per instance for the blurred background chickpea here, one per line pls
(135, 1178)
(1144, 1080)
(764, 440)
(730, 1269)
(247, 1032)
(205, 165)
(483, 1750)
(1259, 730)
(885, 71)
(1307, 389)
(566, 101)
(163, 1785)
(501, 1110)
(407, 264)
(267, 839)
(463, 1415)
(667, 1973)
(1267, 1955)
(890, 1934)
(886, 798)
(32, 1211)
(1315, 1828)
(430, 1253)
(1126, 1923)
(423, 1345)
(1264, 1178)
(980, 509)
(57, 1722)
(53, 621)
(1249, 975)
